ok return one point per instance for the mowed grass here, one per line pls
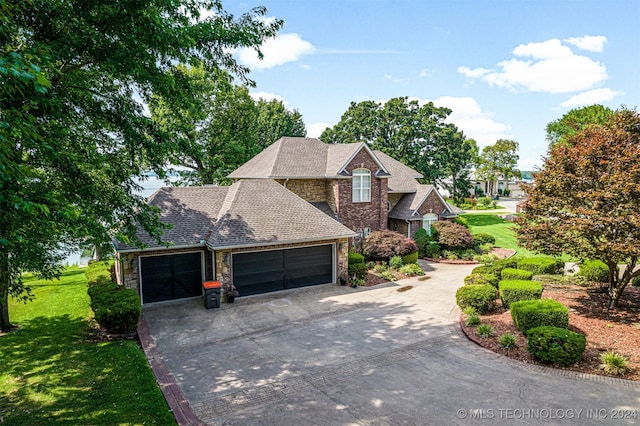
(501, 229)
(52, 373)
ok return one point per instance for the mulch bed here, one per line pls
(606, 330)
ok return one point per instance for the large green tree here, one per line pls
(275, 120)
(575, 121)
(498, 161)
(586, 200)
(414, 134)
(209, 123)
(73, 130)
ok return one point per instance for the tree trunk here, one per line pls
(5, 325)
(614, 295)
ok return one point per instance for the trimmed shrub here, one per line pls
(355, 258)
(483, 269)
(480, 297)
(453, 236)
(516, 290)
(499, 265)
(359, 270)
(115, 308)
(432, 249)
(515, 274)
(410, 258)
(395, 262)
(541, 265)
(412, 269)
(382, 245)
(98, 273)
(528, 314)
(556, 345)
(422, 239)
(483, 238)
(481, 279)
(594, 270)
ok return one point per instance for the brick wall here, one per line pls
(372, 214)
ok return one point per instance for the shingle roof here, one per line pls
(249, 212)
(408, 205)
(293, 157)
(403, 178)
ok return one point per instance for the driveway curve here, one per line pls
(389, 354)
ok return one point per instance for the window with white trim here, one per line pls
(428, 220)
(361, 185)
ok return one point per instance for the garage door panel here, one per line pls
(171, 277)
(262, 272)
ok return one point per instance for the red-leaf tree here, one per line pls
(586, 200)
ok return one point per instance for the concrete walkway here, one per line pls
(368, 356)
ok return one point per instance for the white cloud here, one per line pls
(426, 73)
(590, 43)
(591, 97)
(554, 68)
(277, 51)
(256, 96)
(315, 130)
(468, 116)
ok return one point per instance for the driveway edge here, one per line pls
(178, 404)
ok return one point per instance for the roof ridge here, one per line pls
(229, 198)
(275, 158)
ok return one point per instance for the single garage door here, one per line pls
(171, 277)
(265, 271)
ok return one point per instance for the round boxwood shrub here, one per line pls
(410, 258)
(541, 265)
(115, 308)
(355, 258)
(483, 238)
(481, 279)
(382, 245)
(556, 345)
(528, 314)
(482, 269)
(359, 270)
(452, 236)
(594, 270)
(497, 266)
(515, 274)
(515, 290)
(480, 297)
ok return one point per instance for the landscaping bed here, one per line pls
(616, 330)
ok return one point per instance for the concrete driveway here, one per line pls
(340, 356)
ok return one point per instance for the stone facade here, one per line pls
(393, 199)
(311, 190)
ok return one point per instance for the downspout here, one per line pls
(408, 228)
(285, 182)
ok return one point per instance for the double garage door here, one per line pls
(265, 271)
(180, 276)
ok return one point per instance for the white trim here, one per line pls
(202, 271)
(162, 248)
(366, 147)
(361, 173)
(279, 243)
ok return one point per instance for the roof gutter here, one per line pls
(135, 250)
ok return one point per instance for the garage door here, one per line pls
(265, 271)
(171, 277)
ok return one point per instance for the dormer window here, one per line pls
(361, 186)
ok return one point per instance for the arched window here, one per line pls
(361, 185)
(428, 220)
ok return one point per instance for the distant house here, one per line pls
(513, 185)
(285, 222)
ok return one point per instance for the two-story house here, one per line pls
(285, 222)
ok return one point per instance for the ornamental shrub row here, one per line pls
(528, 314)
(115, 308)
(482, 278)
(515, 290)
(515, 274)
(541, 265)
(480, 297)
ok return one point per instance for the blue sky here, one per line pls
(505, 68)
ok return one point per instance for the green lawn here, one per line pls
(52, 373)
(501, 229)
